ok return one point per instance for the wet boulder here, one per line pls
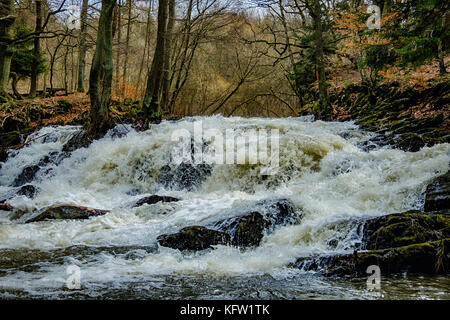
(248, 230)
(245, 229)
(26, 176)
(425, 258)
(194, 238)
(401, 229)
(155, 199)
(437, 194)
(27, 190)
(77, 141)
(255, 220)
(69, 212)
(411, 142)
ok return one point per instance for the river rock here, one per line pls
(245, 229)
(27, 190)
(77, 141)
(67, 212)
(155, 199)
(427, 258)
(437, 194)
(411, 142)
(194, 238)
(401, 229)
(185, 176)
(26, 176)
(248, 230)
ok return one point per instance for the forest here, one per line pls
(353, 94)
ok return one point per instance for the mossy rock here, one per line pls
(194, 238)
(437, 194)
(411, 142)
(406, 228)
(424, 258)
(64, 106)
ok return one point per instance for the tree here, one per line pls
(7, 18)
(24, 62)
(167, 55)
(37, 49)
(151, 103)
(101, 74)
(82, 52)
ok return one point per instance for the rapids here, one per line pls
(325, 169)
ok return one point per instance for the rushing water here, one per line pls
(325, 169)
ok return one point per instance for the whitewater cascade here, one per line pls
(326, 169)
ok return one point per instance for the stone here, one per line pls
(68, 212)
(425, 258)
(77, 141)
(194, 238)
(155, 199)
(437, 194)
(401, 229)
(27, 190)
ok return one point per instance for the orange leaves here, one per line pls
(124, 90)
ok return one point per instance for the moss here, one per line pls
(405, 228)
(425, 258)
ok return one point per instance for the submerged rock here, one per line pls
(67, 212)
(26, 176)
(155, 199)
(246, 229)
(194, 238)
(185, 176)
(437, 194)
(427, 258)
(32, 259)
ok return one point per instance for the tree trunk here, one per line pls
(82, 52)
(119, 39)
(151, 104)
(7, 19)
(37, 49)
(147, 43)
(323, 112)
(167, 56)
(127, 42)
(101, 74)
